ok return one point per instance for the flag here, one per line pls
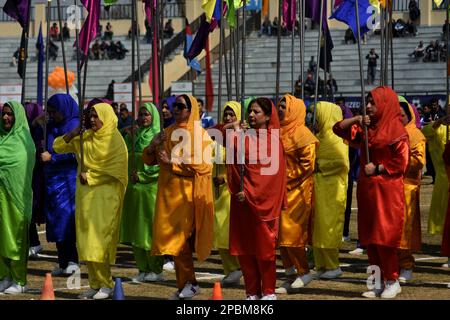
(199, 42)
(41, 57)
(232, 6)
(210, 7)
(90, 26)
(18, 10)
(194, 64)
(438, 2)
(209, 92)
(337, 3)
(22, 55)
(254, 5)
(346, 13)
(265, 8)
(289, 12)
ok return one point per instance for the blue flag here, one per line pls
(346, 13)
(194, 64)
(41, 58)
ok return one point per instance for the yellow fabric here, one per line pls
(294, 133)
(326, 259)
(436, 139)
(330, 179)
(405, 259)
(230, 263)
(438, 2)
(98, 204)
(99, 275)
(222, 194)
(184, 201)
(295, 221)
(411, 235)
(208, 6)
(415, 135)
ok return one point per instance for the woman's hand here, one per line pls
(163, 157)
(363, 121)
(83, 178)
(441, 121)
(218, 181)
(370, 169)
(46, 156)
(240, 196)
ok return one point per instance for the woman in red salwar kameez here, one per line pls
(380, 191)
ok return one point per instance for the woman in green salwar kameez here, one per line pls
(140, 198)
(17, 156)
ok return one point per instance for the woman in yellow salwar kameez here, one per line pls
(411, 235)
(17, 157)
(99, 196)
(231, 113)
(330, 192)
(295, 229)
(184, 213)
(436, 139)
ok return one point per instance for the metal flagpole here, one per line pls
(85, 66)
(391, 41)
(325, 95)
(161, 39)
(133, 82)
(227, 71)
(292, 59)
(47, 61)
(244, 30)
(161, 52)
(62, 46)
(138, 48)
(80, 101)
(236, 55)
(302, 46)
(361, 75)
(317, 68)
(382, 73)
(27, 34)
(277, 86)
(219, 102)
(447, 40)
(387, 47)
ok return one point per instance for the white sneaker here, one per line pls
(269, 297)
(357, 252)
(405, 275)
(391, 290)
(290, 271)
(374, 293)
(189, 291)
(88, 294)
(5, 284)
(302, 281)
(252, 297)
(284, 288)
(232, 279)
(317, 274)
(153, 277)
(169, 266)
(331, 274)
(103, 293)
(16, 288)
(175, 296)
(34, 251)
(347, 238)
(139, 278)
(446, 265)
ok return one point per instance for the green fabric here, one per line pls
(230, 263)
(17, 157)
(146, 262)
(233, 5)
(109, 2)
(14, 269)
(140, 198)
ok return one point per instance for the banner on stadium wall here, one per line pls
(10, 92)
(122, 93)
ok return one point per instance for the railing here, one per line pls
(174, 8)
(115, 12)
(398, 5)
(5, 18)
(64, 14)
(442, 6)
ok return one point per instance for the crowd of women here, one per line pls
(97, 187)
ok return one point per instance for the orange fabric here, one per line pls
(406, 259)
(415, 135)
(265, 8)
(294, 133)
(389, 128)
(184, 266)
(295, 257)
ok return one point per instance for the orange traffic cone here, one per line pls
(217, 292)
(47, 290)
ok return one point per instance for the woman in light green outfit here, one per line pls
(17, 156)
(140, 198)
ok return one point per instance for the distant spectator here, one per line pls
(444, 30)
(15, 58)
(54, 31)
(399, 28)
(346, 112)
(414, 11)
(275, 26)
(436, 110)
(266, 27)
(168, 29)
(411, 28)
(312, 66)
(418, 51)
(349, 36)
(110, 92)
(148, 31)
(115, 107)
(65, 32)
(332, 85)
(125, 119)
(108, 32)
(372, 66)
(103, 50)
(120, 50)
(426, 115)
(99, 31)
(207, 121)
(310, 85)
(96, 50)
(431, 52)
(298, 87)
(52, 50)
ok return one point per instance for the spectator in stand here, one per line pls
(372, 66)
(168, 29)
(52, 50)
(275, 26)
(54, 31)
(103, 50)
(332, 85)
(426, 116)
(312, 66)
(125, 119)
(399, 28)
(115, 107)
(414, 15)
(418, 51)
(349, 36)
(148, 31)
(15, 58)
(65, 32)
(310, 85)
(120, 50)
(96, 50)
(99, 31)
(266, 27)
(108, 32)
(436, 110)
(110, 92)
(431, 52)
(298, 87)
(444, 30)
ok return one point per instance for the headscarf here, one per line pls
(414, 109)
(202, 194)
(144, 135)
(415, 135)
(294, 133)
(331, 146)
(95, 101)
(170, 101)
(105, 150)
(68, 107)
(389, 128)
(17, 158)
(235, 106)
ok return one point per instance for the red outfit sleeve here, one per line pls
(398, 162)
(352, 134)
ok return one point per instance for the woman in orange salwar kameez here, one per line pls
(411, 236)
(184, 212)
(255, 212)
(300, 151)
(380, 192)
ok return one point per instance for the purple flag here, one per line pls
(18, 10)
(200, 39)
(90, 26)
(289, 12)
(312, 11)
